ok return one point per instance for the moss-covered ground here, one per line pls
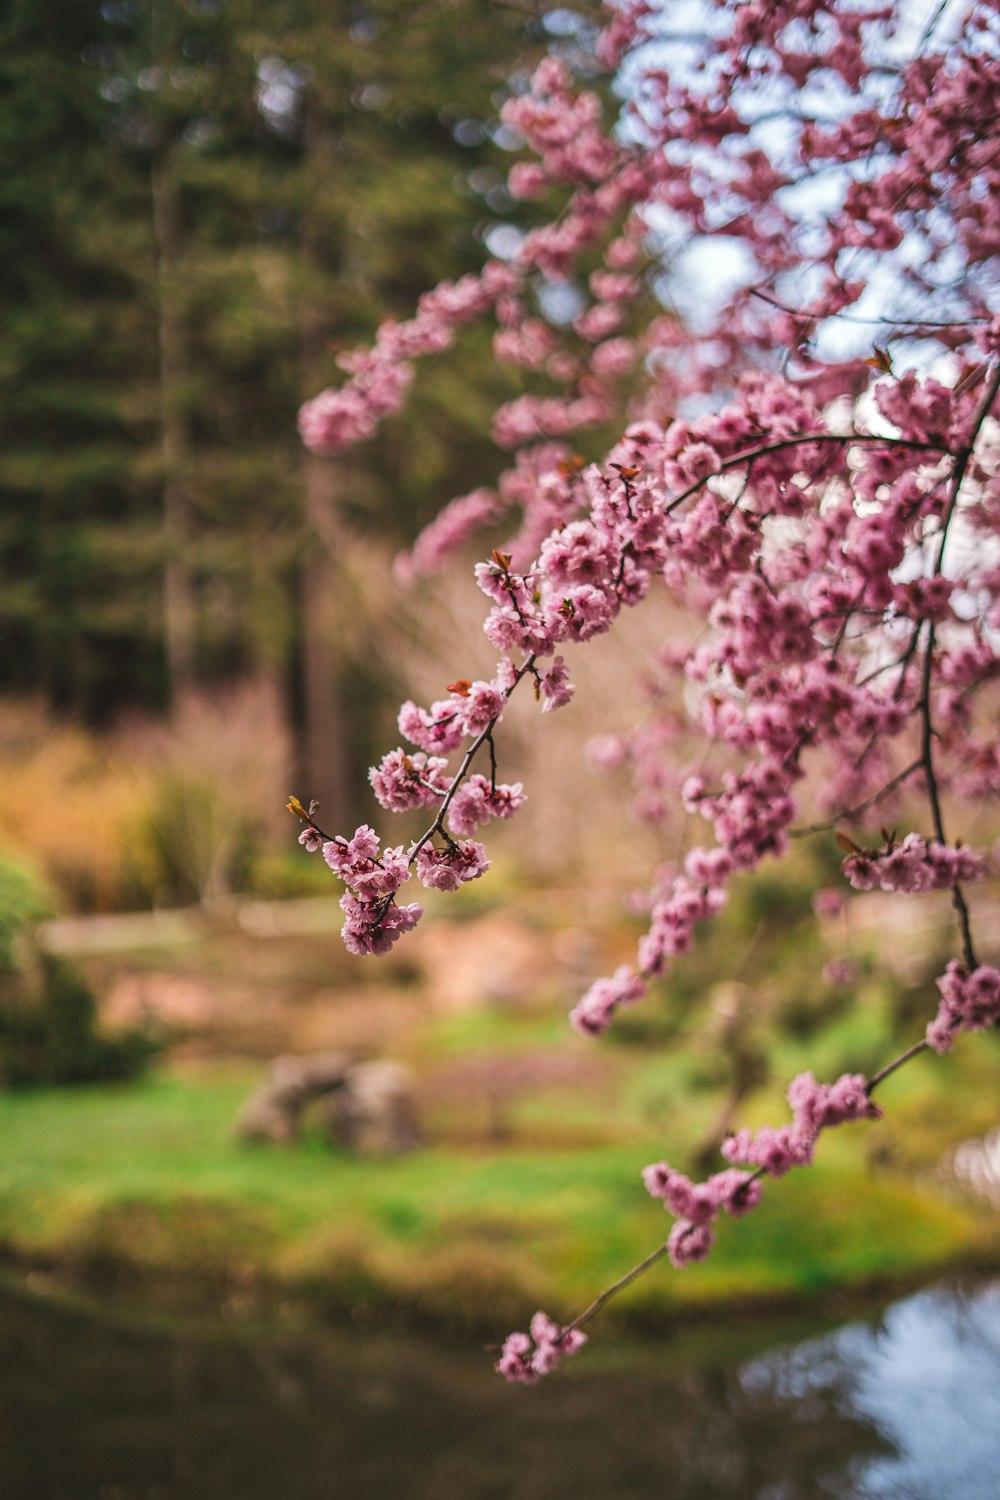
(526, 1190)
(146, 1182)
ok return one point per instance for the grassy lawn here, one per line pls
(527, 1192)
(147, 1179)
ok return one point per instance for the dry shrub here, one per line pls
(218, 778)
(202, 1237)
(462, 1285)
(471, 1285)
(71, 802)
(483, 1089)
(156, 813)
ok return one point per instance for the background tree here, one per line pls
(205, 203)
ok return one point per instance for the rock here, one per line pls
(375, 1114)
(370, 1105)
(274, 1112)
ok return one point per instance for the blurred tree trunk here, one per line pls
(196, 200)
(175, 441)
(323, 752)
(324, 758)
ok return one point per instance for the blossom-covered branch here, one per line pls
(525, 1358)
(826, 509)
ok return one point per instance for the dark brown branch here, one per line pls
(897, 1062)
(781, 445)
(618, 1286)
(962, 460)
(850, 813)
(657, 1255)
(934, 797)
(483, 738)
(881, 322)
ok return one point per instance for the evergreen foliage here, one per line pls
(53, 1038)
(201, 205)
(48, 1019)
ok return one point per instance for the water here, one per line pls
(906, 1405)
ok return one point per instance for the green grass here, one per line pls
(499, 1029)
(149, 1178)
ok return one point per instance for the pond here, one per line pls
(905, 1404)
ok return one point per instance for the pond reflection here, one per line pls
(905, 1406)
(926, 1376)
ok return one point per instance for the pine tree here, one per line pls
(229, 196)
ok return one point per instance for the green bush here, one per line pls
(48, 1018)
(22, 903)
(52, 1037)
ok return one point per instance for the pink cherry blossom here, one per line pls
(448, 868)
(806, 462)
(405, 781)
(526, 1357)
(969, 1002)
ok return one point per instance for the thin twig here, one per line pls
(849, 439)
(657, 1255)
(850, 813)
(958, 900)
(962, 459)
(866, 322)
(483, 738)
(618, 1286)
(897, 1062)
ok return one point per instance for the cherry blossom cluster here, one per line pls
(809, 464)
(915, 865)
(770, 1151)
(380, 376)
(373, 920)
(408, 780)
(565, 125)
(695, 1205)
(526, 1357)
(969, 1002)
(815, 1107)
